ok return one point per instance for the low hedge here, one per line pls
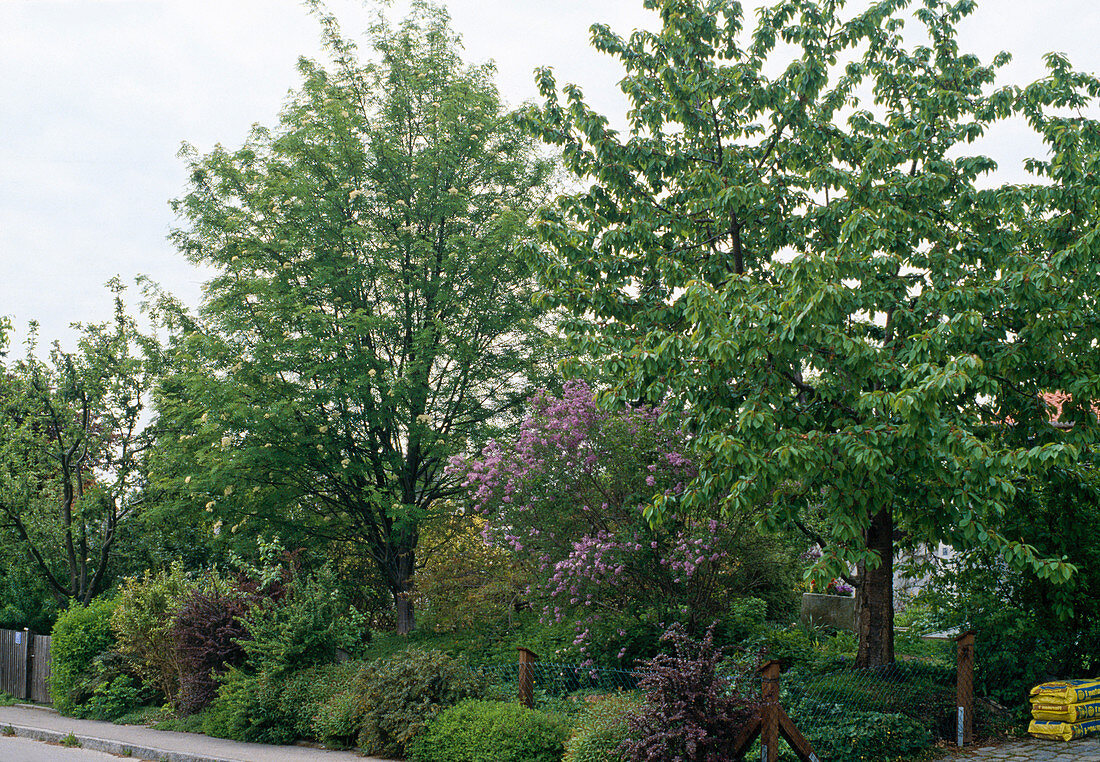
(475, 730)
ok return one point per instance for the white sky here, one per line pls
(97, 95)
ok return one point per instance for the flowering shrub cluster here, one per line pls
(570, 493)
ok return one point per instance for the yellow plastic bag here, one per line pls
(1063, 731)
(1066, 692)
(1042, 710)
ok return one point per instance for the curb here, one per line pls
(119, 748)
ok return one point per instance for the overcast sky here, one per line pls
(97, 95)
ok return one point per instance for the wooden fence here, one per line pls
(25, 665)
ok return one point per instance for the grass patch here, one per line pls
(189, 724)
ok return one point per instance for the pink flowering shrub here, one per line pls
(569, 494)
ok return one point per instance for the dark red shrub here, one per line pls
(206, 632)
(691, 712)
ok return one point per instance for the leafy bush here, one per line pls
(206, 635)
(792, 646)
(400, 695)
(473, 731)
(691, 713)
(842, 735)
(305, 626)
(80, 635)
(249, 708)
(142, 623)
(270, 708)
(305, 693)
(113, 700)
(602, 729)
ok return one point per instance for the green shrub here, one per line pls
(307, 691)
(306, 626)
(270, 708)
(793, 646)
(112, 700)
(248, 708)
(142, 625)
(80, 635)
(339, 720)
(842, 735)
(403, 693)
(602, 728)
(474, 731)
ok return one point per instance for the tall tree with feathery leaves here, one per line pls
(372, 312)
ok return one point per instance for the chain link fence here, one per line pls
(561, 686)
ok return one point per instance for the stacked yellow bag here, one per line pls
(1065, 709)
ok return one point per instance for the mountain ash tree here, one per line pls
(371, 313)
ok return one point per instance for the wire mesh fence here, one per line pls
(552, 682)
(846, 713)
(923, 693)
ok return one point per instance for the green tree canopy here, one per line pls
(798, 242)
(74, 447)
(371, 312)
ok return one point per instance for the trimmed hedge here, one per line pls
(474, 731)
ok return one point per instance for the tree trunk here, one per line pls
(402, 588)
(406, 617)
(875, 596)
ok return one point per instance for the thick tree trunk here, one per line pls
(406, 617)
(402, 588)
(875, 596)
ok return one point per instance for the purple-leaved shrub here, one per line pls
(692, 713)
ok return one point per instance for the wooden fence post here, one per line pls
(769, 712)
(527, 677)
(964, 733)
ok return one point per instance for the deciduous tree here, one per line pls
(74, 446)
(371, 312)
(797, 243)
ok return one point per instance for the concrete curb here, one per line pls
(119, 748)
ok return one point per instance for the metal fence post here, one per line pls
(964, 728)
(769, 712)
(527, 677)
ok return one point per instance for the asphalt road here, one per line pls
(14, 749)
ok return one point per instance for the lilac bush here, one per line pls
(570, 493)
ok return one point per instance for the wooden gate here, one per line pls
(25, 665)
(39, 678)
(14, 647)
